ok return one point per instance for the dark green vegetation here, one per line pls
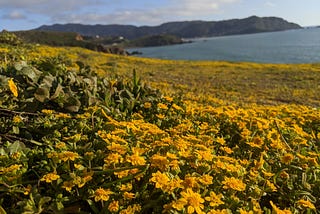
(9, 38)
(71, 39)
(187, 29)
(109, 44)
(156, 40)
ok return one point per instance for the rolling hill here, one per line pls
(184, 29)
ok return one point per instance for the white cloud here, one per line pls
(173, 11)
(270, 4)
(117, 11)
(14, 15)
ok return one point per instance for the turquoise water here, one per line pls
(294, 46)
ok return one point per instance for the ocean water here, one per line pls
(293, 46)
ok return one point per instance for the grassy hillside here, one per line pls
(241, 83)
(88, 132)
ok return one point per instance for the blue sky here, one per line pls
(28, 14)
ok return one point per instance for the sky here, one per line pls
(30, 14)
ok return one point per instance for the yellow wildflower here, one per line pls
(259, 164)
(205, 155)
(167, 98)
(173, 185)
(233, 183)
(162, 106)
(136, 208)
(61, 145)
(191, 200)
(113, 158)
(278, 210)
(206, 179)
(50, 177)
(159, 161)
(174, 165)
(16, 155)
(78, 166)
(27, 190)
(214, 199)
(176, 107)
(113, 206)
(115, 147)
(190, 182)
(306, 204)
(67, 185)
(267, 174)
(224, 211)
(160, 116)
(122, 174)
(287, 158)
(284, 175)
(227, 150)
(17, 119)
(243, 211)
(147, 105)
(13, 88)
(67, 155)
(172, 156)
(256, 142)
(63, 116)
(47, 111)
(271, 186)
(81, 181)
(136, 159)
(126, 187)
(220, 140)
(128, 195)
(102, 194)
(160, 179)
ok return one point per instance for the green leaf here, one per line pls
(48, 80)
(15, 130)
(42, 93)
(20, 65)
(17, 146)
(36, 142)
(73, 104)
(2, 151)
(92, 206)
(25, 70)
(58, 92)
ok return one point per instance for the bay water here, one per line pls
(293, 46)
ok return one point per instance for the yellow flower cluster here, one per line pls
(50, 177)
(216, 151)
(13, 88)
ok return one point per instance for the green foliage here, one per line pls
(155, 40)
(9, 38)
(47, 84)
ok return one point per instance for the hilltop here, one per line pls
(184, 29)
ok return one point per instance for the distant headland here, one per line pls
(183, 29)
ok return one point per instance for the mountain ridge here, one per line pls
(184, 29)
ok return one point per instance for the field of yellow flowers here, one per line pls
(86, 132)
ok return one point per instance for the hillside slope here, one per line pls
(185, 29)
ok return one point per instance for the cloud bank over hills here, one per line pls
(111, 11)
(28, 14)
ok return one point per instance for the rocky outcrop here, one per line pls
(111, 50)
